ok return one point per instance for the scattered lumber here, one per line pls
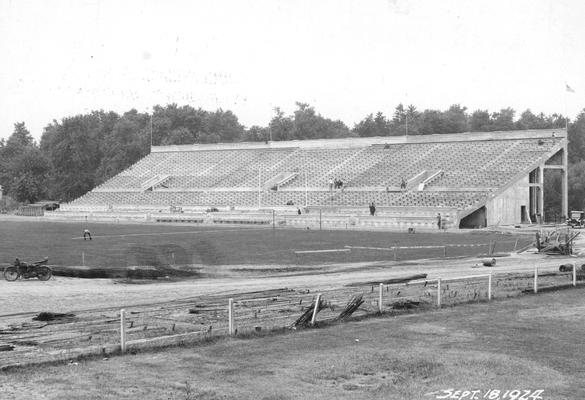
(307, 316)
(352, 305)
(403, 279)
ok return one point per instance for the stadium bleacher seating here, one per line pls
(462, 174)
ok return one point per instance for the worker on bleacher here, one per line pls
(372, 209)
(439, 221)
(330, 184)
(402, 184)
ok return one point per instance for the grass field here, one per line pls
(116, 245)
(527, 343)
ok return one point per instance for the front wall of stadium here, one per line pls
(471, 179)
(507, 208)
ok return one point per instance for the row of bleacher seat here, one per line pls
(459, 200)
(375, 166)
(233, 177)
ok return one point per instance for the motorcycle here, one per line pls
(25, 270)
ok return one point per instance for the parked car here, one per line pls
(577, 219)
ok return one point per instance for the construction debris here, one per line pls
(354, 303)
(51, 316)
(307, 316)
(555, 242)
(404, 279)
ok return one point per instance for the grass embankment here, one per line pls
(526, 343)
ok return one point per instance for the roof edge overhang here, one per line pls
(356, 142)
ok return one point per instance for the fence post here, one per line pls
(536, 279)
(231, 317)
(83, 258)
(380, 298)
(321, 218)
(396, 251)
(574, 274)
(444, 251)
(490, 286)
(314, 318)
(439, 292)
(515, 245)
(123, 330)
(273, 220)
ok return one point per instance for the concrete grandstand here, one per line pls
(472, 179)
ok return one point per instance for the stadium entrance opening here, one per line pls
(475, 220)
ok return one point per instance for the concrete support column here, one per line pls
(540, 204)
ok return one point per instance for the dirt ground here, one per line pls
(63, 294)
(529, 343)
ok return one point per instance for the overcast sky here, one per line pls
(346, 58)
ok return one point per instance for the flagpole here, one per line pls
(568, 89)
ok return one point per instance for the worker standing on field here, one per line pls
(86, 234)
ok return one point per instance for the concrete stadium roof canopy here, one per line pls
(367, 141)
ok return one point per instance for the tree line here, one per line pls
(80, 152)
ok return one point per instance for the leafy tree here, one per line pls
(256, 134)
(530, 121)
(281, 126)
(433, 122)
(11, 153)
(30, 176)
(225, 124)
(456, 119)
(405, 121)
(185, 125)
(480, 121)
(310, 125)
(74, 149)
(366, 127)
(305, 123)
(180, 135)
(576, 136)
(503, 120)
(382, 124)
(373, 126)
(128, 141)
(576, 185)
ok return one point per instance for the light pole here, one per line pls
(151, 131)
